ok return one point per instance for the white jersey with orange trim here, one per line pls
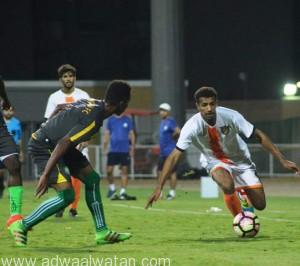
(59, 97)
(222, 145)
(222, 141)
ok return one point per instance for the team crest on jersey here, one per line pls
(225, 130)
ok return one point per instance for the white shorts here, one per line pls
(244, 176)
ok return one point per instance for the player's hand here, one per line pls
(21, 157)
(131, 152)
(42, 186)
(290, 166)
(82, 145)
(154, 197)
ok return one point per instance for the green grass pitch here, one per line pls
(180, 230)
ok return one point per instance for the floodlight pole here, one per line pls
(167, 54)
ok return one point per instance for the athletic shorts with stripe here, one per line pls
(244, 175)
(71, 162)
(7, 145)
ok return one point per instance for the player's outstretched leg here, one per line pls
(94, 203)
(225, 181)
(19, 229)
(15, 187)
(257, 197)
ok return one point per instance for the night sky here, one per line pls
(246, 49)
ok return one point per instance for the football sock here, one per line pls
(233, 203)
(49, 207)
(93, 200)
(112, 187)
(172, 193)
(76, 184)
(122, 191)
(15, 198)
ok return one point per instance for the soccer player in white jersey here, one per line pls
(217, 133)
(68, 94)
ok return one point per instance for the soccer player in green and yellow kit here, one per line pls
(53, 149)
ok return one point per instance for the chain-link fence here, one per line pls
(144, 164)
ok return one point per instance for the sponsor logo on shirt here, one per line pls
(225, 130)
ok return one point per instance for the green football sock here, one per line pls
(15, 198)
(49, 207)
(93, 200)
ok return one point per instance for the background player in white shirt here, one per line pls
(68, 94)
(217, 132)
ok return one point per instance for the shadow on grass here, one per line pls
(241, 240)
(85, 249)
(66, 219)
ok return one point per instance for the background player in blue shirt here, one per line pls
(168, 134)
(15, 129)
(120, 135)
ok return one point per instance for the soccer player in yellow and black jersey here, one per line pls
(53, 149)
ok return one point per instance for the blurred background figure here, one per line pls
(121, 137)
(15, 129)
(168, 135)
(68, 94)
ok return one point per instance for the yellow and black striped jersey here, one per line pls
(79, 121)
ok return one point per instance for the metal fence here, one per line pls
(144, 164)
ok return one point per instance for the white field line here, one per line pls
(198, 213)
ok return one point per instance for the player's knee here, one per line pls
(13, 166)
(261, 205)
(68, 196)
(109, 172)
(228, 187)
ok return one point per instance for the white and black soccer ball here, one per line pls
(246, 224)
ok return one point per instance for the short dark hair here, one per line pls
(117, 91)
(66, 68)
(206, 92)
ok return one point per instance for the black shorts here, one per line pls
(118, 158)
(68, 166)
(7, 145)
(161, 162)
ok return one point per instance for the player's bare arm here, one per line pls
(269, 146)
(176, 133)
(169, 165)
(61, 148)
(106, 140)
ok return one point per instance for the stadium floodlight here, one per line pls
(290, 89)
(298, 84)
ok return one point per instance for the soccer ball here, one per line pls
(246, 224)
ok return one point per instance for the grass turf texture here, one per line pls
(181, 230)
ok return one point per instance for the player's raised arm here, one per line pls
(269, 146)
(169, 165)
(6, 103)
